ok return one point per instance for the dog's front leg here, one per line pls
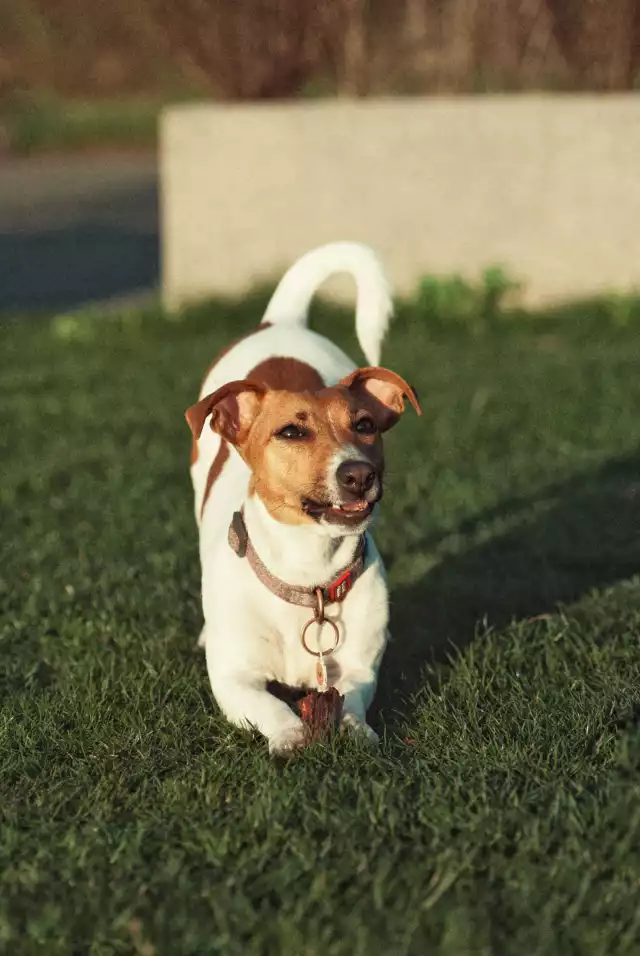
(358, 690)
(245, 701)
(358, 685)
(358, 680)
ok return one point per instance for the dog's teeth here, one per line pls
(354, 506)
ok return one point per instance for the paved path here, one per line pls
(77, 230)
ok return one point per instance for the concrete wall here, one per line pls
(548, 186)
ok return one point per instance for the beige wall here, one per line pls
(548, 186)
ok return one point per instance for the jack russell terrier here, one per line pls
(286, 479)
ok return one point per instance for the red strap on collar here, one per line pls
(341, 586)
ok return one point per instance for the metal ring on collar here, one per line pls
(320, 624)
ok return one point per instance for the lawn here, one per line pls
(37, 124)
(501, 815)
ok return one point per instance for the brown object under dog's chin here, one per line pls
(321, 712)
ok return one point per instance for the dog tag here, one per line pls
(321, 668)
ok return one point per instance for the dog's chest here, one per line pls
(341, 637)
(298, 669)
(289, 661)
(251, 628)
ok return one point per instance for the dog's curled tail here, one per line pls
(290, 302)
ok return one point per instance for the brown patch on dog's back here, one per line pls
(290, 374)
(232, 345)
(217, 465)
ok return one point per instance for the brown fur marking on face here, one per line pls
(217, 465)
(290, 469)
(221, 355)
(290, 384)
(285, 471)
(287, 374)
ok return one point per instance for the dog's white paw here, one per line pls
(352, 724)
(202, 639)
(286, 742)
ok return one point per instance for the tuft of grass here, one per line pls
(501, 813)
(455, 300)
(44, 123)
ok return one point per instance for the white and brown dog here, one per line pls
(286, 480)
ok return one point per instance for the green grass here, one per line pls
(36, 124)
(134, 820)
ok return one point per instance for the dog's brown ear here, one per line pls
(233, 408)
(384, 393)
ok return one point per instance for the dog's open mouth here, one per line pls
(348, 513)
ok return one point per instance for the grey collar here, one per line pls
(332, 593)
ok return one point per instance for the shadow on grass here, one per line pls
(556, 547)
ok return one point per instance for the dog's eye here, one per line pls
(365, 426)
(292, 432)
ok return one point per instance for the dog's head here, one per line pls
(315, 456)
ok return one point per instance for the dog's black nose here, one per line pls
(356, 477)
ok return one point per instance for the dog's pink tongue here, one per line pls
(354, 506)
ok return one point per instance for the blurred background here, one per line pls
(252, 49)
(90, 77)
